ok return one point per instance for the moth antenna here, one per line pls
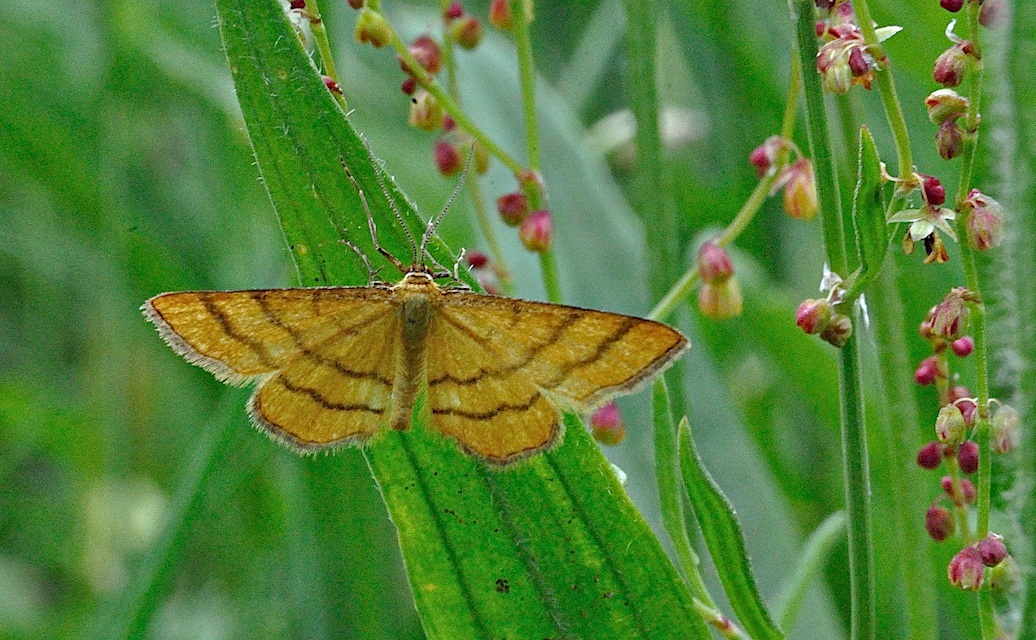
(434, 223)
(418, 258)
(371, 226)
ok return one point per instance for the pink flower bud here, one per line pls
(409, 86)
(1006, 429)
(447, 158)
(537, 231)
(991, 14)
(953, 6)
(967, 457)
(945, 104)
(373, 28)
(800, 191)
(984, 227)
(714, 265)
(962, 347)
(992, 550)
(939, 522)
(928, 372)
(453, 11)
(951, 316)
(949, 140)
(966, 569)
(426, 52)
(297, 4)
(933, 192)
(425, 112)
(476, 259)
(607, 425)
(813, 316)
(720, 301)
(765, 155)
(951, 64)
(930, 455)
(331, 85)
(466, 32)
(500, 15)
(967, 491)
(513, 207)
(949, 425)
(837, 332)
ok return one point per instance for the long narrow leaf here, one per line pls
(549, 548)
(726, 542)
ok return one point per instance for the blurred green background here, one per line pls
(125, 171)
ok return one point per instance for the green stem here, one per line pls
(855, 464)
(887, 90)
(527, 76)
(856, 469)
(316, 25)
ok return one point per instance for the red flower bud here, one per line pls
(500, 15)
(447, 158)
(992, 550)
(967, 457)
(466, 32)
(714, 265)
(513, 207)
(966, 569)
(951, 64)
(962, 347)
(453, 11)
(930, 455)
(953, 6)
(939, 522)
(949, 139)
(537, 231)
(928, 372)
(967, 490)
(426, 52)
(607, 425)
(476, 259)
(813, 316)
(837, 332)
(933, 192)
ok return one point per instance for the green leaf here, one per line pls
(726, 542)
(550, 547)
(872, 239)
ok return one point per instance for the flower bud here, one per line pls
(991, 14)
(331, 85)
(452, 11)
(1005, 429)
(714, 265)
(837, 77)
(500, 15)
(837, 332)
(1006, 576)
(930, 455)
(992, 550)
(962, 347)
(607, 425)
(949, 425)
(928, 372)
(513, 207)
(966, 569)
(933, 192)
(951, 64)
(720, 301)
(466, 32)
(950, 317)
(945, 104)
(967, 491)
(984, 227)
(967, 457)
(476, 259)
(765, 155)
(800, 191)
(949, 140)
(297, 4)
(409, 85)
(426, 52)
(953, 6)
(447, 158)
(537, 231)
(373, 28)
(479, 157)
(425, 112)
(939, 522)
(357, 4)
(813, 316)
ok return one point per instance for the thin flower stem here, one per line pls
(316, 25)
(473, 183)
(527, 77)
(887, 90)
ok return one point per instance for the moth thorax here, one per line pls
(416, 313)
